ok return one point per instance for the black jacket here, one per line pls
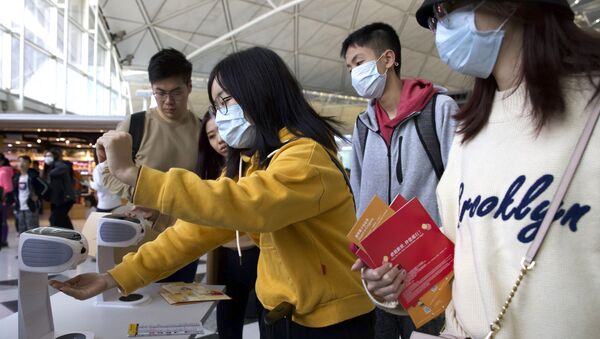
(59, 176)
(36, 184)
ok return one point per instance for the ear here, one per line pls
(390, 58)
(189, 86)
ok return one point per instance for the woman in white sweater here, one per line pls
(537, 81)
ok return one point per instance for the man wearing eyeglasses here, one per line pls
(167, 137)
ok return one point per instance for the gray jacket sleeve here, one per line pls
(445, 109)
(356, 167)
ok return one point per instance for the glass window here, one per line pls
(76, 92)
(60, 27)
(102, 54)
(103, 100)
(2, 37)
(115, 103)
(14, 64)
(77, 10)
(75, 46)
(114, 77)
(38, 16)
(39, 67)
(90, 62)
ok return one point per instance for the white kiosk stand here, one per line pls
(45, 250)
(117, 231)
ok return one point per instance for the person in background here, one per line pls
(537, 84)
(390, 154)
(58, 174)
(107, 201)
(28, 195)
(223, 264)
(6, 188)
(282, 184)
(166, 137)
(6, 173)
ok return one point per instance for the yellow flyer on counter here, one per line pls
(181, 293)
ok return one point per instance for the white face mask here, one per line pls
(48, 160)
(465, 49)
(367, 81)
(233, 127)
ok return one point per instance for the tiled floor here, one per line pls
(9, 273)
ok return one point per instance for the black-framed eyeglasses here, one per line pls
(175, 94)
(220, 102)
(441, 11)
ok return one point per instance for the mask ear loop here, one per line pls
(506, 20)
(387, 69)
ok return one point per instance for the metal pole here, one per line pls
(95, 96)
(65, 52)
(22, 59)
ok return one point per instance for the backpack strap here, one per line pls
(363, 132)
(136, 129)
(426, 129)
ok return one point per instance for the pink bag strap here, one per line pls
(528, 262)
(562, 188)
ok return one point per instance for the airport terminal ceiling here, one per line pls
(307, 34)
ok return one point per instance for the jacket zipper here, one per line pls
(389, 156)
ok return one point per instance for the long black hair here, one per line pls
(271, 98)
(210, 163)
(553, 48)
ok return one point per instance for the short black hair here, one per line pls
(169, 63)
(377, 36)
(26, 158)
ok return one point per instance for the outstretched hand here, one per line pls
(386, 281)
(85, 286)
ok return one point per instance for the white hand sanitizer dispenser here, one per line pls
(45, 250)
(117, 231)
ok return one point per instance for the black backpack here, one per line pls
(425, 125)
(136, 129)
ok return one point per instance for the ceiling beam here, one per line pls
(148, 22)
(242, 27)
(161, 20)
(229, 23)
(350, 30)
(296, 40)
(271, 3)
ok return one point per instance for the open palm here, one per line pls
(85, 285)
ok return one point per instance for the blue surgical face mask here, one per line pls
(367, 81)
(465, 49)
(233, 127)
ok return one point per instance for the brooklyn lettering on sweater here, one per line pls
(527, 208)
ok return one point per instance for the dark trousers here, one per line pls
(186, 274)
(361, 327)
(388, 326)
(239, 283)
(59, 215)
(3, 222)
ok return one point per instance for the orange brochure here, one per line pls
(375, 213)
(411, 239)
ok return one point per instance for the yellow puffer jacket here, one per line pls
(298, 210)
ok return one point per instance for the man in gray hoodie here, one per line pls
(400, 145)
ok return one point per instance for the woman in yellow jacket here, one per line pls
(282, 185)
